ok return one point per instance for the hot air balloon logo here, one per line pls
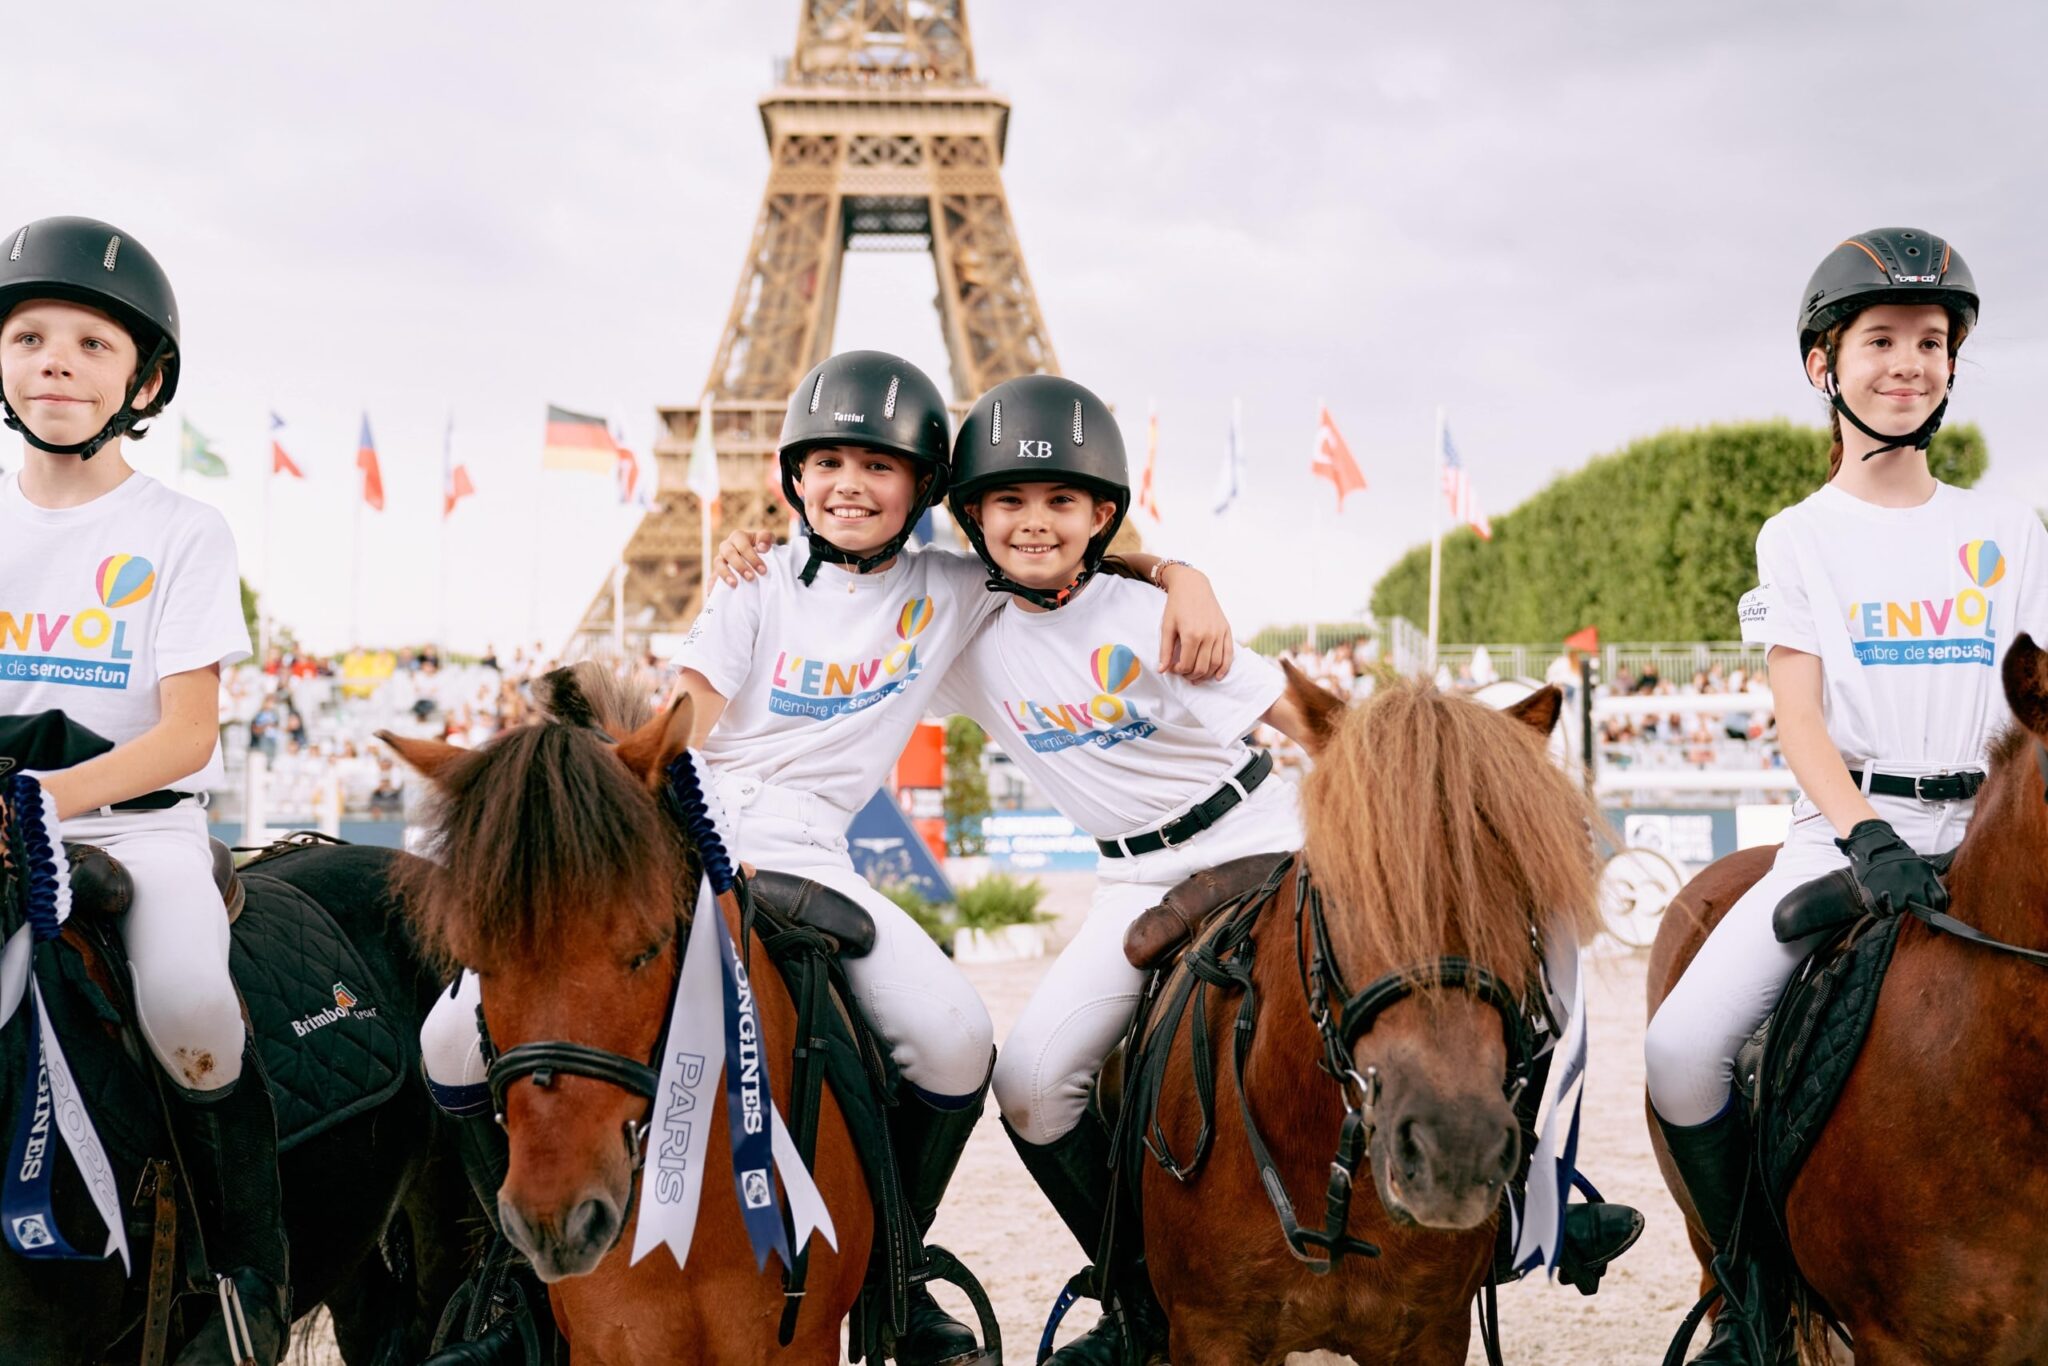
(124, 580)
(1115, 668)
(916, 615)
(1982, 562)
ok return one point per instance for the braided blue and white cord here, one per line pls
(698, 810)
(48, 874)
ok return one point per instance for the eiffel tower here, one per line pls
(881, 137)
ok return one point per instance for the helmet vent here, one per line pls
(889, 403)
(113, 250)
(1077, 422)
(19, 238)
(817, 391)
(995, 423)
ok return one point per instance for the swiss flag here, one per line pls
(373, 476)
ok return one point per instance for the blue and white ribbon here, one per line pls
(714, 1034)
(51, 1109)
(1554, 1163)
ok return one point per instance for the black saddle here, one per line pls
(833, 914)
(101, 886)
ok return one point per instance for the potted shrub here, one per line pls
(1000, 920)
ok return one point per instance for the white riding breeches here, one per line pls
(1047, 1066)
(176, 934)
(1741, 970)
(924, 1009)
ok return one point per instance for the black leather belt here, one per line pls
(1181, 829)
(161, 800)
(1927, 787)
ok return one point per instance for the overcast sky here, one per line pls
(1570, 224)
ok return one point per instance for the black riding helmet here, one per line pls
(1040, 429)
(1886, 266)
(85, 261)
(876, 401)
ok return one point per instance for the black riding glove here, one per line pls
(1889, 872)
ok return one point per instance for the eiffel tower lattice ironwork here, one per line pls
(880, 137)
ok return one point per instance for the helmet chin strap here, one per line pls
(999, 582)
(117, 425)
(1918, 439)
(824, 552)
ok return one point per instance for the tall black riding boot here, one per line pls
(928, 1141)
(1713, 1163)
(1074, 1172)
(230, 1151)
(508, 1321)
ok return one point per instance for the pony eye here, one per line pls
(650, 953)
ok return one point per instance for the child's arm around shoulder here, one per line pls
(177, 746)
(1194, 637)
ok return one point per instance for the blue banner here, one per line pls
(27, 1214)
(748, 1106)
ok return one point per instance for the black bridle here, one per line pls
(1223, 959)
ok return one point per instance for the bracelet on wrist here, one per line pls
(1158, 575)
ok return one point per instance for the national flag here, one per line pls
(455, 485)
(1333, 458)
(1458, 491)
(373, 475)
(1229, 477)
(1148, 502)
(579, 442)
(196, 455)
(1586, 640)
(280, 463)
(626, 474)
(703, 476)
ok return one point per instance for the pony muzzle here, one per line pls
(1444, 1166)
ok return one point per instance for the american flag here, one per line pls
(1458, 491)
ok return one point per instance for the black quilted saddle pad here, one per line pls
(1815, 1038)
(331, 1047)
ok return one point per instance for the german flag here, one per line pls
(578, 441)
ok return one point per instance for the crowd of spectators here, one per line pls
(313, 719)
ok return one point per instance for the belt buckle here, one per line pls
(1166, 839)
(1920, 795)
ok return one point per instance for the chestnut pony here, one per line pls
(1436, 828)
(1921, 1214)
(559, 877)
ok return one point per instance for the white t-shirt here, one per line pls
(100, 603)
(1910, 611)
(1074, 699)
(824, 684)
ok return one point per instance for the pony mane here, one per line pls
(1436, 825)
(543, 832)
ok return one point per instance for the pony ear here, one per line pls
(428, 758)
(1322, 708)
(1540, 709)
(2026, 684)
(649, 750)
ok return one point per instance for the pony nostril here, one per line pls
(1409, 1150)
(591, 1224)
(1505, 1156)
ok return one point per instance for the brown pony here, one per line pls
(1436, 826)
(559, 878)
(1921, 1215)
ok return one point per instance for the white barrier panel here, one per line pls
(1681, 704)
(1756, 825)
(1696, 780)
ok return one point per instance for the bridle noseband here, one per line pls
(542, 1061)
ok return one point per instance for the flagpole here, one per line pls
(447, 477)
(1436, 540)
(263, 617)
(355, 573)
(1315, 542)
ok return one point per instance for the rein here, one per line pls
(1224, 959)
(1948, 924)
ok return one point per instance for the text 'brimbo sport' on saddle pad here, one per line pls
(1814, 1039)
(331, 1048)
